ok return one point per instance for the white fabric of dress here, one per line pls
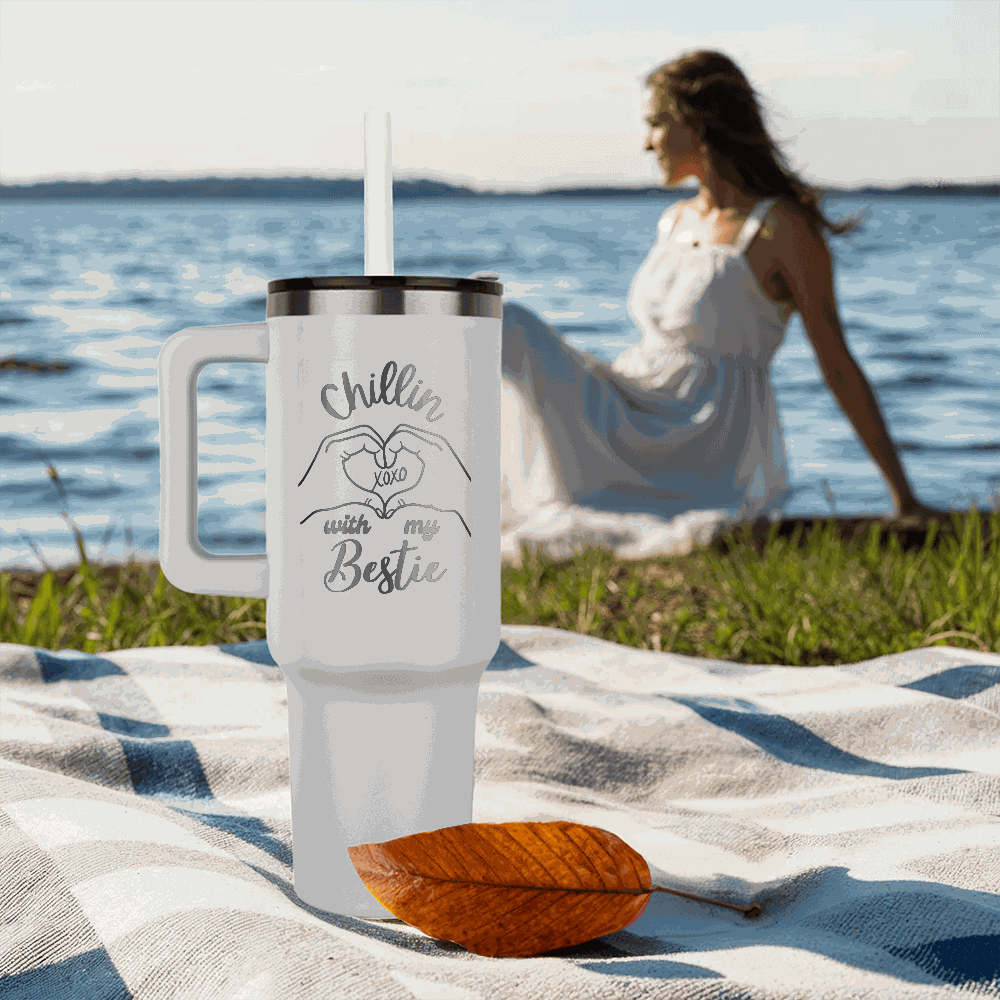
(676, 439)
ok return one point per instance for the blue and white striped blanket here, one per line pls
(145, 838)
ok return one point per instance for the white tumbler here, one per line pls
(382, 564)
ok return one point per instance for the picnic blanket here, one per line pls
(146, 851)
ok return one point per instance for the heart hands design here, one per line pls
(383, 467)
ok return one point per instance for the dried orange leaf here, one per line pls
(508, 889)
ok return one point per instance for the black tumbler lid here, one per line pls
(366, 281)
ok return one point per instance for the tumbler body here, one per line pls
(382, 565)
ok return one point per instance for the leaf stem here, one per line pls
(748, 911)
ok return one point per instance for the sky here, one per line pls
(503, 95)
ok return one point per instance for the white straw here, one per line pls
(378, 193)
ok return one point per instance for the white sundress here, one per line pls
(675, 439)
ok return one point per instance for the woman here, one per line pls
(680, 435)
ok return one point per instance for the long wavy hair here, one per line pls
(709, 93)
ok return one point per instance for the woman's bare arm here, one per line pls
(807, 266)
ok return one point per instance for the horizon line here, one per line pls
(353, 187)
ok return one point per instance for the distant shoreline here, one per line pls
(347, 189)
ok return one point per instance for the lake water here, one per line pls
(101, 286)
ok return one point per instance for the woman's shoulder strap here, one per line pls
(754, 221)
(669, 217)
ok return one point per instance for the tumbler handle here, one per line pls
(184, 560)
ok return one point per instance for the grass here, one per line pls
(802, 593)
